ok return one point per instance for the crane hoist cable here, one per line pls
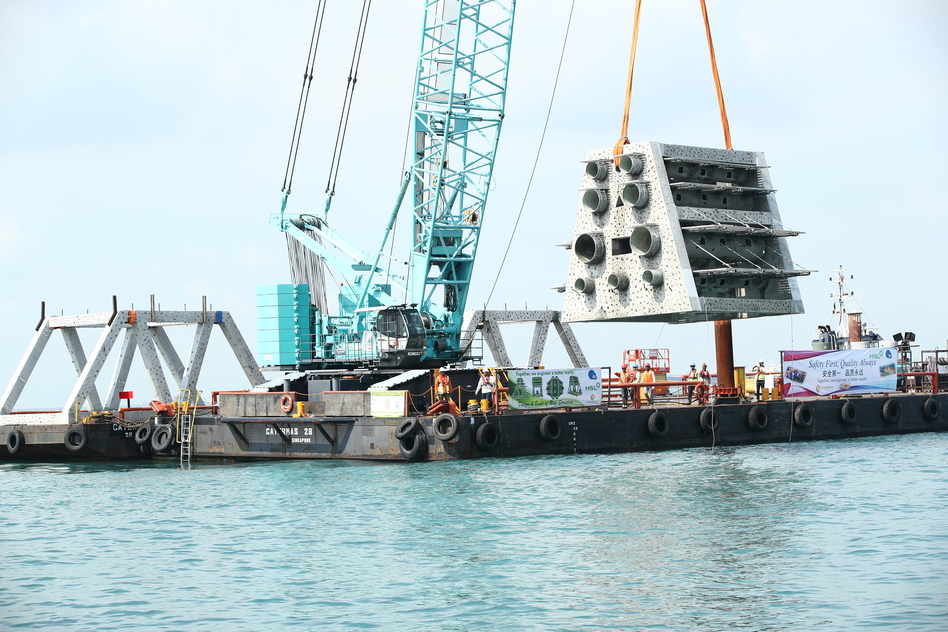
(618, 148)
(304, 100)
(347, 102)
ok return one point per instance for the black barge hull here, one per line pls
(77, 442)
(566, 432)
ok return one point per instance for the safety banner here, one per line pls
(832, 372)
(554, 388)
(388, 403)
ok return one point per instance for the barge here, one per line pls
(270, 425)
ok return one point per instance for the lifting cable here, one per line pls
(618, 148)
(347, 102)
(717, 79)
(304, 100)
(620, 144)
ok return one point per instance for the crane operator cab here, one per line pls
(401, 335)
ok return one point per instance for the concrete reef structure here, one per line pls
(672, 233)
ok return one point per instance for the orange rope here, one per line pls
(717, 79)
(620, 144)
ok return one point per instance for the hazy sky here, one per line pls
(142, 147)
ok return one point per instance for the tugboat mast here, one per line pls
(839, 301)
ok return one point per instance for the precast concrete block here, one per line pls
(672, 233)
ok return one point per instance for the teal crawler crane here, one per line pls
(386, 320)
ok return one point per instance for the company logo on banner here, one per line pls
(554, 388)
(833, 372)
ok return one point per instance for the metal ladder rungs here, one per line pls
(185, 429)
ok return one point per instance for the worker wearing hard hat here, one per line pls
(761, 376)
(485, 386)
(692, 374)
(627, 376)
(647, 377)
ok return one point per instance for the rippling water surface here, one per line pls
(829, 535)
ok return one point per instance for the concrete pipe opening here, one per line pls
(618, 281)
(645, 241)
(597, 170)
(635, 194)
(630, 165)
(653, 277)
(584, 285)
(590, 247)
(595, 200)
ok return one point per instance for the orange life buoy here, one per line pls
(286, 403)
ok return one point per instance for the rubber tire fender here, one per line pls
(757, 418)
(931, 409)
(803, 416)
(143, 433)
(849, 413)
(413, 446)
(407, 427)
(162, 438)
(487, 437)
(452, 427)
(891, 411)
(708, 420)
(658, 424)
(76, 438)
(550, 429)
(14, 441)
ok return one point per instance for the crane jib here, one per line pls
(458, 110)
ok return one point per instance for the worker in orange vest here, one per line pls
(443, 386)
(627, 376)
(647, 377)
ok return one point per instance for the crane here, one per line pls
(415, 321)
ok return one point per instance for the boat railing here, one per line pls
(907, 382)
(612, 391)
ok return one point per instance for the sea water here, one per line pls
(835, 535)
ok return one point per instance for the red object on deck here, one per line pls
(161, 408)
(126, 394)
(444, 406)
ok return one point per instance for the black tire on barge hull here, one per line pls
(658, 424)
(708, 420)
(407, 427)
(76, 438)
(891, 411)
(14, 441)
(931, 409)
(849, 413)
(550, 428)
(487, 437)
(162, 438)
(757, 418)
(445, 427)
(413, 446)
(143, 433)
(803, 416)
